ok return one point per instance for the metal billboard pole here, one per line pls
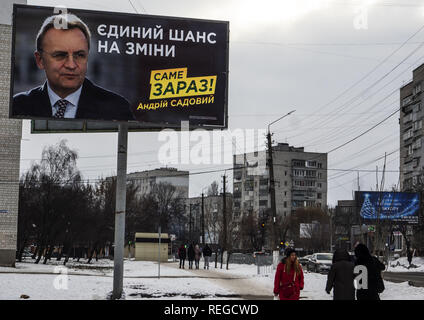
(121, 190)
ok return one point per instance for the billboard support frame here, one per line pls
(121, 190)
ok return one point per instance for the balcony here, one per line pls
(409, 134)
(407, 118)
(263, 193)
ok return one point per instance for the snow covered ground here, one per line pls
(91, 282)
(401, 265)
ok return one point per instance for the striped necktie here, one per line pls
(61, 108)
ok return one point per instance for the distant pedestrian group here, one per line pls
(194, 253)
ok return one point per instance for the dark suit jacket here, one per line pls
(95, 103)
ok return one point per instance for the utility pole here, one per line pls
(224, 215)
(272, 188)
(359, 187)
(272, 181)
(121, 189)
(378, 227)
(189, 225)
(376, 178)
(203, 219)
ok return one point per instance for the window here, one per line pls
(418, 125)
(417, 88)
(310, 183)
(285, 193)
(285, 204)
(319, 175)
(285, 173)
(263, 203)
(319, 195)
(319, 185)
(408, 134)
(312, 163)
(319, 165)
(299, 183)
(406, 100)
(410, 150)
(285, 183)
(298, 163)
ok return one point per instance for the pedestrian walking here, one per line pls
(374, 268)
(341, 276)
(289, 277)
(207, 253)
(409, 256)
(197, 255)
(182, 255)
(190, 256)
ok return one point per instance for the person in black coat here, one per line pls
(341, 276)
(190, 254)
(207, 253)
(374, 268)
(182, 255)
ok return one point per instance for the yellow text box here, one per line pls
(168, 74)
(183, 87)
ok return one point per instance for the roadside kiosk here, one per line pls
(146, 246)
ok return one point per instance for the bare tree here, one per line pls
(213, 189)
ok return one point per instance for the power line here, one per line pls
(367, 75)
(365, 132)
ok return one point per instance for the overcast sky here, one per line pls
(285, 55)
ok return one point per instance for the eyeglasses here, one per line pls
(61, 56)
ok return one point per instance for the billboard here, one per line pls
(84, 66)
(390, 206)
(305, 230)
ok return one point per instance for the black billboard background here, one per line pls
(129, 75)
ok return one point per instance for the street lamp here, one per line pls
(280, 119)
(271, 180)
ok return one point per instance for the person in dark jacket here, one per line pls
(207, 253)
(197, 255)
(341, 276)
(409, 256)
(190, 256)
(182, 255)
(374, 268)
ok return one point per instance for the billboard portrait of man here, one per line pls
(62, 53)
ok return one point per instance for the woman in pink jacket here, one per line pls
(288, 277)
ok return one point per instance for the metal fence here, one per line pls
(264, 263)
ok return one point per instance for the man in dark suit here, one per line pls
(63, 54)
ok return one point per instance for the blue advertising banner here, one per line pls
(394, 206)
